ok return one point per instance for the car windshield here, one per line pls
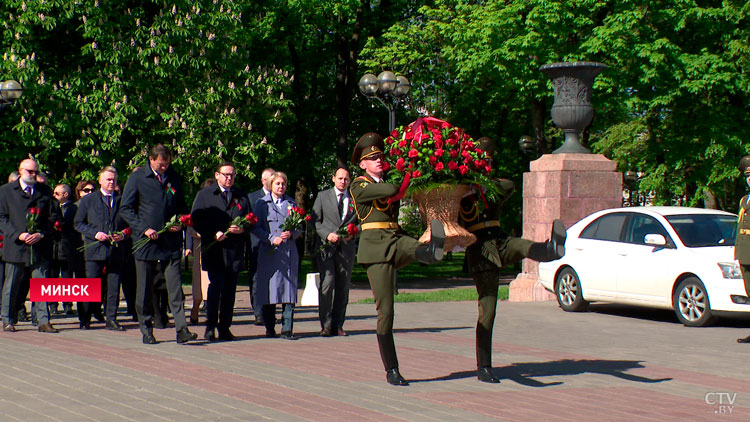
(702, 230)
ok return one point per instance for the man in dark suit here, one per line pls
(152, 196)
(265, 180)
(214, 208)
(100, 224)
(67, 239)
(332, 211)
(383, 246)
(26, 252)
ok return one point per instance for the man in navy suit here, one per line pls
(99, 221)
(26, 252)
(265, 179)
(332, 211)
(214, 208)
(152, 196)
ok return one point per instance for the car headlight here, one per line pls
(730, 269)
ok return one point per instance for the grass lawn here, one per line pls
(444, 295)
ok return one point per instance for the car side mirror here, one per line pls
(655, 240)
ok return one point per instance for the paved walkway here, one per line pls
(612, 364)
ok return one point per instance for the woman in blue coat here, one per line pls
(278, 259)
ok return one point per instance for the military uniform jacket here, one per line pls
(147, 203)
(212, 214)
(371, 205)
(95, 216)
(477, 210)
(14, 205)
(742, 243)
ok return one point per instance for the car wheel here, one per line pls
(690, 302)
(568, 291)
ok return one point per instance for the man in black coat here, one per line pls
(152, 196)
(67, 240)
(99, 221)
(26, 252)
(265, 189)
(223, 247)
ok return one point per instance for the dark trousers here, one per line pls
(287, 317)
(333, 291)
(144, 307)
(63, 269)
(221, 293)
(2, 280)
(16, 287)
(128, 282)
(110, 283)
(251, 270)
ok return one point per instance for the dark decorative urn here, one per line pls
(572, 110)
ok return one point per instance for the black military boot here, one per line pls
(552, 249)
(432, 252)
(390, 361)
(484, 356)
(744, 340)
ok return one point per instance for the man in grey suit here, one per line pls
(332, 211)
(265, 179)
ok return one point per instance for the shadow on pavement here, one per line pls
(525, 373)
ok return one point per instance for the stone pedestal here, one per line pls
(564, 186)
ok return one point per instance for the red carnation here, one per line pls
(186, 220)
(488, 168)
(58, 226)
(35, 211)
(299, 210)
(452, 165)
(453, 153)
(433, 159)
(127, 231)
(416, 173)
(413, 153)
(439, 152)
(463, 169)
(452, 141)
(478, 163)
(2, 237)
(400, 164)
(308, 218)
(439, 166)
(251, 218)
(386, 166)
(1, 245)
(402, 143)
(465, 153)
(352, 229)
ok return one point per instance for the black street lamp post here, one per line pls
(388, 89)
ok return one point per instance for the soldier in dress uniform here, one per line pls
(742, 243)
(383, 247)
(493, 250)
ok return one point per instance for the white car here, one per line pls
(675, 258)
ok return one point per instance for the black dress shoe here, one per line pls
(184, 336)
(326, 332)
(84, 326)
(210, 335)
(744, 340)
(114, 326)
(341, 332)
(149, 339)
(47, 328)
(99, 316)
(259, 322)
(394, 377)
(485, 374)
(226, 335)
(271, 334)
(9, 328)
(288, 336)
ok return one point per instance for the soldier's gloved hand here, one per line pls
(402, 189)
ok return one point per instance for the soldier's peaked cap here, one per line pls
(369, 144)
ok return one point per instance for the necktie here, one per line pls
(225, 196)
(27, 189)
(160, 177)
(341, 205)
(108, 200)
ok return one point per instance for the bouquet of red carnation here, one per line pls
(350, 230)
(295, 220)
(2, 238)
(182, 221)
(58, 225)
(247, 220)
(433, 152)
(32, 216)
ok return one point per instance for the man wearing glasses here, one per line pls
(223, 246)
(64, 252)
(16, 200)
